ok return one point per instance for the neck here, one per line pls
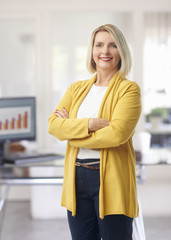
(104, 78)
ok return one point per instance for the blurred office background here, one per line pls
(43, 46)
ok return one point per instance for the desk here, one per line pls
(20, 174)
(160, 136)
(154, 157)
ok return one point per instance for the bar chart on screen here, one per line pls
(15, 120)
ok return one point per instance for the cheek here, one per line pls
(117, 56)
(95, 54)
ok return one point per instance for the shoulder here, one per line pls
(128, 85)
(80, 83)
(76, 86)
(125, 83)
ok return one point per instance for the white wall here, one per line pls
(17, 49)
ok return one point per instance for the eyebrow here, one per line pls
(103, 42)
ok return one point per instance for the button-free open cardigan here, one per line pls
(122, 106)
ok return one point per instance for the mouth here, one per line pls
(105, 59)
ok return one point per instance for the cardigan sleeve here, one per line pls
(124, 119)
(71, 128)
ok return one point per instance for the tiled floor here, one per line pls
(18, 225)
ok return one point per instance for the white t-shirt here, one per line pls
(89, 108)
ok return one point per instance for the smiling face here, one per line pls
(105, 53)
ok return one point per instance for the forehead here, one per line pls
(103, 37)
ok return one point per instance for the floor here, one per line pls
(18, 225)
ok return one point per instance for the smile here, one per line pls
(105, 59)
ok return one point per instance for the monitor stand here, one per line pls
(1, 153)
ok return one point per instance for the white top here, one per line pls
(89, 108)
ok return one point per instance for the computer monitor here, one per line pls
(17, 120)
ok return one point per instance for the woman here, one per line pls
(98, 117)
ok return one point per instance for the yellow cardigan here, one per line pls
(122, 106)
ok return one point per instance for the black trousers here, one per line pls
(87, 225)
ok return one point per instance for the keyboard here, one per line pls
(31, 157)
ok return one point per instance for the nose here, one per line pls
(105, 50)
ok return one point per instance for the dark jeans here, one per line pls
(87, 225)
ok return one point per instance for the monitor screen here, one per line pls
(17, 119)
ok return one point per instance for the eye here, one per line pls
(98, 45)
(114, 46)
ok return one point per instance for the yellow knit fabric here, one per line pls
(122, 106)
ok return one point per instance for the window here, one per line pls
(157, 78)
(157, 61)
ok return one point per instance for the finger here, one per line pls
(65, 112)
(59, 114)
(63, 115)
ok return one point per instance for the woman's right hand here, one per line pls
(95, 124)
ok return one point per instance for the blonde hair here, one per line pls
(120, 41)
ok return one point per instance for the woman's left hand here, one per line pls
(62, 114)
